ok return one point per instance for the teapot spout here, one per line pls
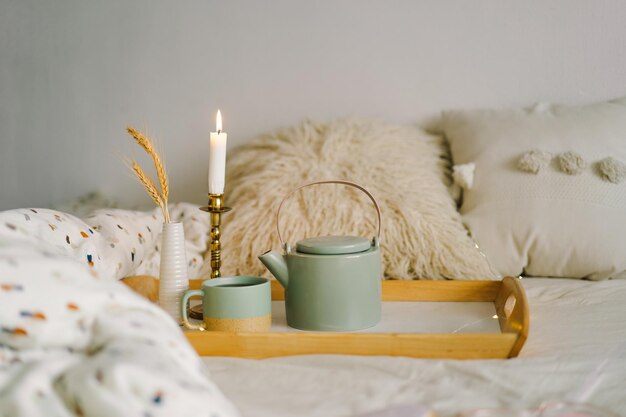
(276, 264)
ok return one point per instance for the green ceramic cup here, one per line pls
(232, 304)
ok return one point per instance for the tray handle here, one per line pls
(512, 309)
(351, 184)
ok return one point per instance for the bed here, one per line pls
(574, 351)
(74, 341)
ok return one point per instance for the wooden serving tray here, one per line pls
(508, 296)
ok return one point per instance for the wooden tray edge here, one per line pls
(428, 346)
(397, 290)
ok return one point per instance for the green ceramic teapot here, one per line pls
(332, 283)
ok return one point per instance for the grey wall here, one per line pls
(73, 74)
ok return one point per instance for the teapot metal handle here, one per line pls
(351, 184)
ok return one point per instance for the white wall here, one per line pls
(74, 73)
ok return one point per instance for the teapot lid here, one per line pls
(333, 245)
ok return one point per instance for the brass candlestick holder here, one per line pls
(216, 208)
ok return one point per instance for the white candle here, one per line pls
(217, 158)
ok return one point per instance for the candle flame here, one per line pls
(218, 121)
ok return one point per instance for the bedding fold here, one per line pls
(73, 340)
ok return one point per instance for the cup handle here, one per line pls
(183, 310)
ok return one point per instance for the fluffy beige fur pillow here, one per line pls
(404, 168)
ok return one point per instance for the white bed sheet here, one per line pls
(575, 325)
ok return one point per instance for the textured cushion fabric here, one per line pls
(114, 243)
(549, 223)
(404, 168)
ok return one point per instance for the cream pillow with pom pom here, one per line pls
(404, 168)
(569, 220)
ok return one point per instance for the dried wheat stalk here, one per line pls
(147, 145)
(148, 184)
(159, 197)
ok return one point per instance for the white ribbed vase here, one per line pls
(174, 280)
